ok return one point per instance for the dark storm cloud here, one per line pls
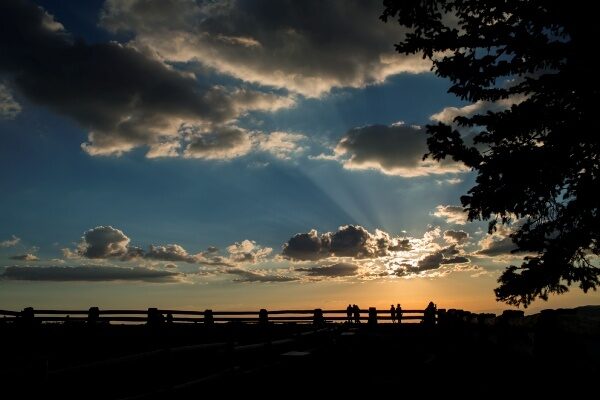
(305, 46)
(250, 276)
(305, 246)
(347, 241)
(447, 255)
(88, 273)
(123, 96)
(103, 242)
(458, 237)
(394, 150)
(339, 269)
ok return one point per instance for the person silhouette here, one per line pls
(393, 314)
(356, 310)
(429, 314)
(399, 313)
(349, 313)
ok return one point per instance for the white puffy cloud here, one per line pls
(451, 214)
(397, 149)
(13, 241)
(305, 47)
(248, 251)
(169, 252)
(283, 145)
(448, 114)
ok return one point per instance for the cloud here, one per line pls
(222, 143)
(347, 241)
(169, 252)
(497, 244)
(447, 255)
(334, 270)
(448, 114)
(250, 276)
(90, 273)
(451, 214)
(13, 241)
(9, 107)
(25, 257)
(106, 242)
(248, 251)
(282, 145)
(103, 242)
(393, 150)
(451, 181)
(307, 47)
(125, 96)
(458, 237)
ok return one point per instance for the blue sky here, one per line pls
(145, 133)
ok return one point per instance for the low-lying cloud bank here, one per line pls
(350, 252)
(88, 273)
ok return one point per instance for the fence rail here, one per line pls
(155, 316)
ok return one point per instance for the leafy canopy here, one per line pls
(537, 161)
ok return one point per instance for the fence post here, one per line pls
(318, 317)
(441, 316)
(93, 316)
(372, 316)
(263, 317)
(208, 317)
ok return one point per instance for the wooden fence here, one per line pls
(155, 316)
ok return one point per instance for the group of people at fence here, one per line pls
(429, 314)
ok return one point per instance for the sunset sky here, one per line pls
(228, 155)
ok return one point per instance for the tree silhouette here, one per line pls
(537, 161)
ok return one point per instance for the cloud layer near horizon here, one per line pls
(88, 273)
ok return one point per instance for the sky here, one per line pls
(231, 154)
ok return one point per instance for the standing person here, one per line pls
(356, 314)
(349, 314)
(429, 315)
(399, 313)
(393, 314)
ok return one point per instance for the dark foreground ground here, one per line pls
(551, 355)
